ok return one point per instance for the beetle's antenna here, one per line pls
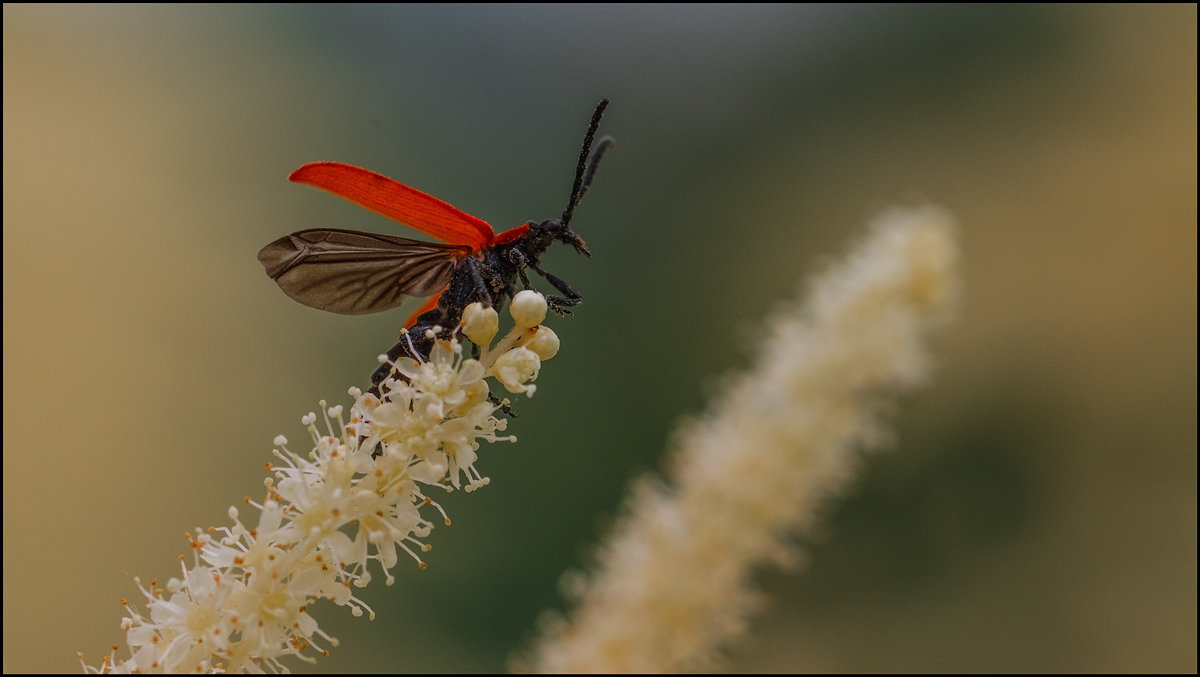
(586, 169)
(604, 144)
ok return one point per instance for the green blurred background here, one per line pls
(1037, 511)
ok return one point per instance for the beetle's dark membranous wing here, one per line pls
(355, 273)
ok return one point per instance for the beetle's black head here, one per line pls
(542, 234)
(568, 236)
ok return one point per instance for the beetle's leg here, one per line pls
(559, 304)
(482, 288)
(518, 258)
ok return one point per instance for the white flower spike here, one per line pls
(359, 495)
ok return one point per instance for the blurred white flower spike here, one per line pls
(673, 585)
(358, 495)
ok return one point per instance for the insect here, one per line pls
(355, 273)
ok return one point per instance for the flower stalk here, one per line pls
(360, 494)
(672, 585)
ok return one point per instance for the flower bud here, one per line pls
(514, 368)
(528, 308)
(480, 324)
(543, 341)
